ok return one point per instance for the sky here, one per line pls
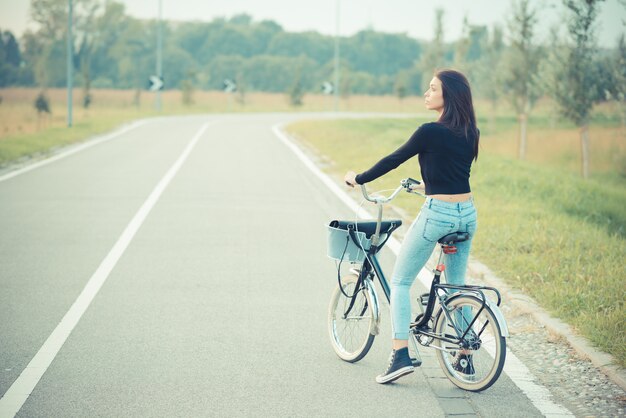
(413, 17)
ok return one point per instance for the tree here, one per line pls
(361, 82)
(523, 60)
(51, 15)
(462, 46)
(10, 59)
(488, 72)
(48, 45)
(45, 48)
(242, 89)
(401, 85)
(550, 69)
(86, 35)
(576, 91)
(241, 19)
(124, 55)
(311, 44)
(433, 57)
(186, 85)
(478, 43)
(11, 49)
(617, 90)
(470, 55)
(296, 92)
(380, 53)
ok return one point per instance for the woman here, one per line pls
(446, 150)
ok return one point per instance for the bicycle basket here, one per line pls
(341, 246)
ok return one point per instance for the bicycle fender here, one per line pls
(504, 329)
(495, 309)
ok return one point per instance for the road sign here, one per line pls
(327, 87)
(156, 83)
(230, 86)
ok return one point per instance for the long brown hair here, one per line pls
(458, 109)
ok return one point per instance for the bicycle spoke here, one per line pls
(350, 333)
(479, 364)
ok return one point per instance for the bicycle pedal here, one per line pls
(415, 362)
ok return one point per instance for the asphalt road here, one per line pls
(217, 305)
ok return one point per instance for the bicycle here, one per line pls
(468, 331)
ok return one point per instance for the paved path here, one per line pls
(213, 300)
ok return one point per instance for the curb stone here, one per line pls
(603, 361)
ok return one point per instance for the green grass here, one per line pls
(20, 145)
(542, 228)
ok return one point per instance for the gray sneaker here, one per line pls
(400, 364)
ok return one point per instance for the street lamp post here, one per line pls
(336, 89)
(69, 63)
(159, 54)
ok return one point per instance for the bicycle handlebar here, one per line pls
(404, 184)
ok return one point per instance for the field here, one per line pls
(542, 228)
(24, 133)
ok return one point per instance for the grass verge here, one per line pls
(542, 228)
(18, 146)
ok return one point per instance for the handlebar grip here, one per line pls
(409, 180)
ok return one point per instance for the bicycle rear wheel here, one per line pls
(479, 365)
(351, 335)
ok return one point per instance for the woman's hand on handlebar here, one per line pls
(421, 187)
(350, 178)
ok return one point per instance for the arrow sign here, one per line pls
(156, 83)
(230, 86)
(327, 87)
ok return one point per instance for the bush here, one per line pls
(42, 104)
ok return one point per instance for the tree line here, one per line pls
(113, 49)
(503, 62)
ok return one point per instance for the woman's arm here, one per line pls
(410, 148)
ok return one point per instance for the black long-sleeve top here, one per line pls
(445, 159)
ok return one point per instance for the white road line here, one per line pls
(21, 389)
(73, 150)
(514, 368)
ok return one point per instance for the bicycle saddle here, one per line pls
(368, 227)
(453, 238)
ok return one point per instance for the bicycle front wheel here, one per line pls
(477, 365)
(350, 335)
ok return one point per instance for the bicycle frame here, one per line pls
(371, 266)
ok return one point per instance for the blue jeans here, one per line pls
(436, 219)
